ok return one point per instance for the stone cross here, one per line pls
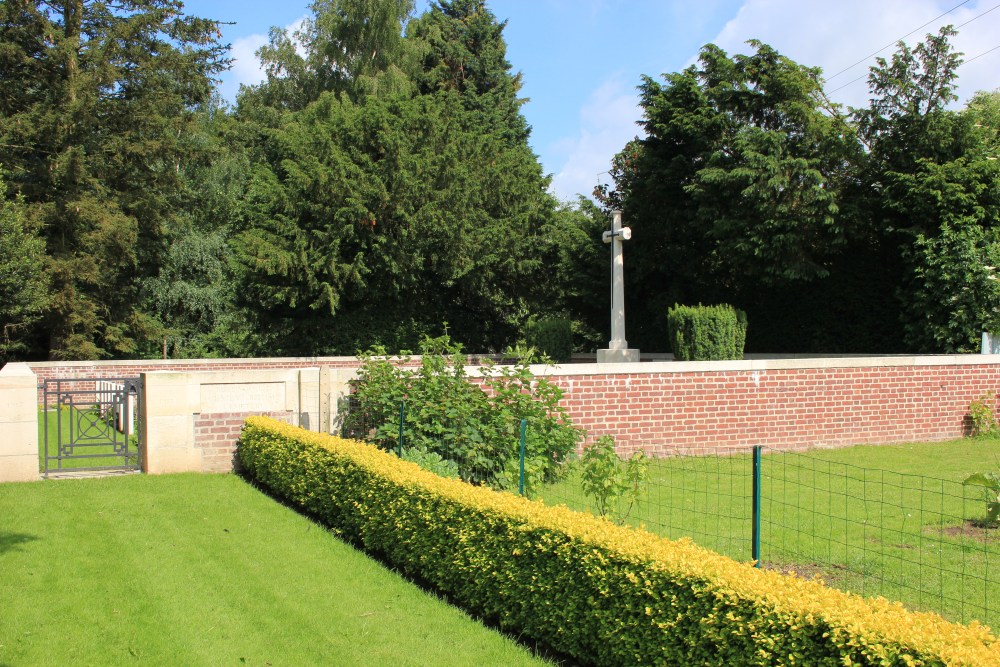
(618, 350)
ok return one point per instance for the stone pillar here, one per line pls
(340, 390)
(18, 424)
(324, 400)
(170, 401)
(617, 350)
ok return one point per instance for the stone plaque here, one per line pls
(243, 397)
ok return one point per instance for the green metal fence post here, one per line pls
(402, 420)
(524, 428)
(755, 548)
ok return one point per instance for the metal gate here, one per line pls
(91, 424)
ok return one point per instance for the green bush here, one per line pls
(703, 333)
(600, 593)
(475, 424)
(553, 337)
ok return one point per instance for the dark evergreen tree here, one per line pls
(96, 102)
(381, 208)
(868, 232)
(931, 195)
(734, 186)
(22, 281)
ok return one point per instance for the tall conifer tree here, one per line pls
(97, 96)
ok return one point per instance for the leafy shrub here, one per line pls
(614, 485)
(553, 337)
(990, 482)
(600, 593)
(702, 333)
(984, 422)
(448, 414)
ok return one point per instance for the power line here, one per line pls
(965, 62)
(994, 7)
(978, 16)
(964, 2)
(982, 54)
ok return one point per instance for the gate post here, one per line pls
(169, 402)
(18, 424)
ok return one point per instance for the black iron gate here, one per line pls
(91, 424)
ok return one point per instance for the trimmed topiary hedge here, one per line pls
(703, 333)
(553, 337)
(601, 593)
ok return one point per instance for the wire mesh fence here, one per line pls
(921, 540)
(917, 539)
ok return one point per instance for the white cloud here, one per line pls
(832, 36)
(835, 36)
(607, 123)
(247, 69)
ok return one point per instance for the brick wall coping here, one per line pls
(767, 364)
(751, 363)
(168, 363)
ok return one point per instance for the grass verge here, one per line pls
(206, 570)
(889, 520)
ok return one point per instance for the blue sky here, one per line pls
(582, 59)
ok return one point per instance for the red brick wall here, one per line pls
(789, 408)
(216, 434)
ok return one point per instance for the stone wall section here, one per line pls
(50, 370)
(18, 424)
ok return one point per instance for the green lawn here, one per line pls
(206, 570)
(889, 520)
(81, 419)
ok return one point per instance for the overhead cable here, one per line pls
(896, 41)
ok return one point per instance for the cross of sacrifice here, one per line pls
(618, 350)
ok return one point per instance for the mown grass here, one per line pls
(889, 520)
(51, 418)
(206, 570)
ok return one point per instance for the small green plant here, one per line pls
(614, 485)
(990, 482)
(431, 461)
(983, 420)
(535, 469)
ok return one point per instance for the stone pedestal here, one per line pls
(610, 356)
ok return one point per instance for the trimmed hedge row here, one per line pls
(552, 336)
(602, 593)
(706, 333)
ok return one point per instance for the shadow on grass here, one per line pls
(12, 541)
(538, 648)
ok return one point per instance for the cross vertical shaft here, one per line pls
(618, 350)
(618, 341)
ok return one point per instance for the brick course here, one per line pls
(779, 408)
(216, 434)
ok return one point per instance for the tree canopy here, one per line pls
(93, 113)
(378, 188)
(866, 230)
(379, 212)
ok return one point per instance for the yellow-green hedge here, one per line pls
(601, 593)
